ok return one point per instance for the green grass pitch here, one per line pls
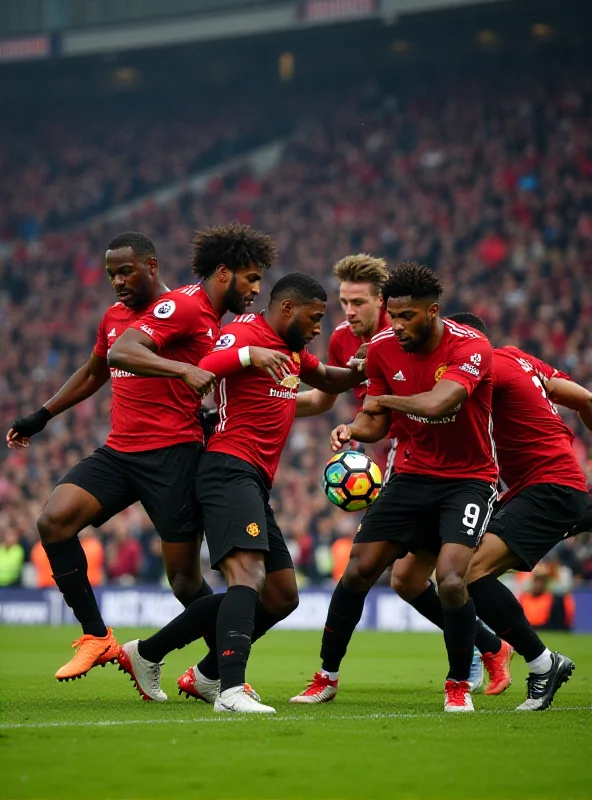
(385, 736)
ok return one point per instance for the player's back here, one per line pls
(533, 443)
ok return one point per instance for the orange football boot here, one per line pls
(498, 669)
(92, 651)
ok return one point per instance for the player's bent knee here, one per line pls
(243, 569)
(184, 588)
(52, 528)
(361, 574)
(452, 589)
(406, 587)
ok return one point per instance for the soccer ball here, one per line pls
(351, 480)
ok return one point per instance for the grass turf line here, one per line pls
(384, 736)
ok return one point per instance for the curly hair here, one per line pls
(299, 287)
(362, 268)
(234, 245)
(414, 280)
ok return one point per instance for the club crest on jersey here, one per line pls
(296, 358)
(290, 381)
(225, 341)
(440, 371)
(165, 309)
(253, 529)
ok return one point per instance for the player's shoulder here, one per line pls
(341, 331)
(239, 330)
(247, 319)
(382, 337)
(460, 333)
(119, 312)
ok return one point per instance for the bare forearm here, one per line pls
(311, 403)
(421, 405)
(337, 379)
(585, 414)
(370, 427)
(136, 358)
(79, 387)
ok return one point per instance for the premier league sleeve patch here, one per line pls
(165, 309)
(225, 341)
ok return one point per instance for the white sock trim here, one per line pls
(542, 663)
(331, 675)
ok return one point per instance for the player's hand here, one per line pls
(357, 364)
(200, 380)
(339, 436)
(362, 351)
(271, 361)
(24, 428)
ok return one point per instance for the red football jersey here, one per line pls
(344, 344)
(457, 446)
(256, 413)
(533, 443)
(149, 413)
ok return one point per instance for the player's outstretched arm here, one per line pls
(82, 384)
(438, 402)
(571, 395)
(313, 402)
(365, 428)
(334, 380)
(135, 352)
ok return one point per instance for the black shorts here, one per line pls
(234, 502)
(585, 523)
(536, 519)
(161, 480)
(421, 512)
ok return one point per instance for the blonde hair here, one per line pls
(362, 268)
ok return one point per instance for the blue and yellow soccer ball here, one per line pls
(351, 480)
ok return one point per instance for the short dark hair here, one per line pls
(234, 245)
(472, 320)
(141, 245)
(299, 287)
(414, 280)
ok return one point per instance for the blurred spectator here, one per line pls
(543, 608)
(12, 557)
(484, 178)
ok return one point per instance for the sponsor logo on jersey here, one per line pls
(284, 394)
(225, 341)
(470, 369)
(253, 529)
(111, 333)
(441, 421)
(400, 377)
(147, 330)
(165, 309)
(475, 359)
(440, 371)
(121, 373)
(210, 334)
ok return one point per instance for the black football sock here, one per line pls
(205, 590)
(234, 631)
(264, 621)
(69, 567)
(428, 604)
(500, 609)
(198, 619)
(459, 636)
(210, 660)
(345, 611)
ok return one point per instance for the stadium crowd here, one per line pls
(487, 181)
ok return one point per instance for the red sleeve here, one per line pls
(170, 319)
(546, 370)
(377, 382)
(334, 359)
(223, 359)
(470, 363)
(308, 362)
(101, 347)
